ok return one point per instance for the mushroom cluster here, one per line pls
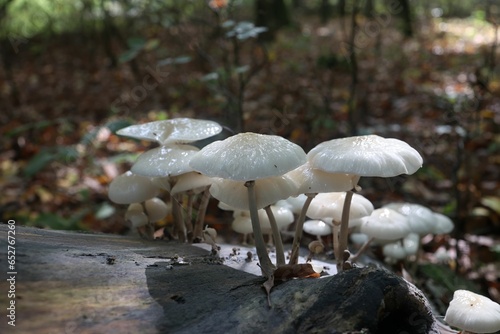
(265, 180)
(166, 168)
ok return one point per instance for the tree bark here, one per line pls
(97, 283)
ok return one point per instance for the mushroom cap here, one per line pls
(472, 312)
(242, 224)
(267, 191)
(394, 250)
(156, 209)
(411, 243)
(442, 224)
(165, 161)
(137, 218)
(317, 227)
(283, 217)
(172, 131)
(386, 224)
(131, 188)
(190, 181)
(369, 155)
(248, 156)
(296, 202)
(420, 218)
(312, 180)
(330, 205)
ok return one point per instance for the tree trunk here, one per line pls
(406, 17)
(272, 14)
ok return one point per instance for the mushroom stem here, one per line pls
(266, 265)
(360, 251)
(200, 218)
(336, 246)
(178, 221)
(189, 216)
(280, 251)
(294, 257)
(344, 229)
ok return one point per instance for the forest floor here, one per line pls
(439, 91)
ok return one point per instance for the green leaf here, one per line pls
(136, 43)
(128, 55)
(39, 161)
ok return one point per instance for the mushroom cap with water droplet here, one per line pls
(165, 161)
(172, 131)
(248, 156)
(369, 155)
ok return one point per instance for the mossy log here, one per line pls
(69, 282)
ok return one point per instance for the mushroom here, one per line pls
(171, 162)
(312, 181)
(315, 247)
(473, 313)
(247, 157)
(317, 227)
(331, 205)
(177, 130)
(382, 224)
(369, 155)
(420, 218)
(442, 224)
(130, 188)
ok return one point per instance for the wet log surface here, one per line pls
(71, 282)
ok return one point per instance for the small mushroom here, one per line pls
(472, 312)
(130, 188)
(315, 247)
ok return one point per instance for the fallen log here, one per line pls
(68, 282)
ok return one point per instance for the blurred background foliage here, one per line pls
(75, 71)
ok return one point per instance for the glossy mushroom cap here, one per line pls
(317, 227)
(130, 188)
(442, 224)
(156, 209)
(248, 156)
(369, 155)
(330, 205)
(472, 312)
(165, 161)
(172, 131)
(420, 218)
(283, 217)
(386, 224)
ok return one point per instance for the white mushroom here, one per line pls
(165, 161)
(317, 227)
(386, 224)
(172, 131)
(130, 188)
(442, 224)
(247, 157)
(473, 313)
(156, 209)
(369, 155)
(420, 218)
